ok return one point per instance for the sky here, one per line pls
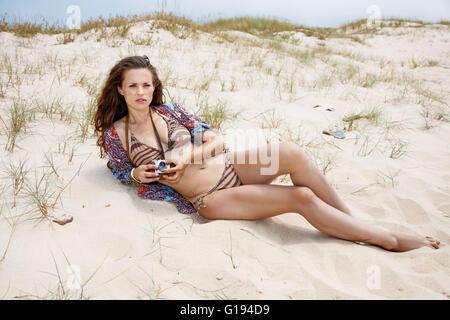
(318, 13)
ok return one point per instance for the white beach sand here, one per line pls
(139, 249)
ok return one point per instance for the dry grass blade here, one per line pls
(43, 193)
(270, 120)
(230, 254)
(51, 163)
(17, 173)
(363, 188)
(85, 122)
(61, 286)
(325, 163)
(19, 116)
(5, 251)
(216, 114)
(367, 147)
(155, 290)
(374, 115)
(220, 290)
(398, 148)
(390, 177)
(6, 292)
(39, 196)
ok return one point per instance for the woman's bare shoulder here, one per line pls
(119, 125)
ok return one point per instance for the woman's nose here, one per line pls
(140, 89)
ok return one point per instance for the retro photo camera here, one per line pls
(161, 164)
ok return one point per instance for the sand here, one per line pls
(124, 247)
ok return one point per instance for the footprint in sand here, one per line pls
(437, 196)
(413, 212)
(343, 265)
(444, 209)
(119, 247)
(441, 200)
(113, 245)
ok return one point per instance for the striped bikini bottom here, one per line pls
(229, 179)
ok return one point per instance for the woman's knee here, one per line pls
(303, 195)
(205, 214)
(293, 154)
(209, 210)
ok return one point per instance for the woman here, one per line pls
(135, 126)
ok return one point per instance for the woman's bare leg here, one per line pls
(291, 160)
(254, 202)
(308, 175)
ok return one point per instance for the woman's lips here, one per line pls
(141, 100)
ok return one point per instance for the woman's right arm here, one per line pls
(121, 166)
(118, 162)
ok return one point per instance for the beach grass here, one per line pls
(215, 113)
(267, 62)
(372, 114)
(19, 115)
(398, 147)
(16, 172)
(391, 177)
(183, 27)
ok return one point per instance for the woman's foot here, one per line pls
(405, 242)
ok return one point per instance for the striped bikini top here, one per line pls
(141, 153)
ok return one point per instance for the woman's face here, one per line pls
(137, 88)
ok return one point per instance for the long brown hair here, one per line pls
(111, 105)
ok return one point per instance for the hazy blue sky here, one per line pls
(324, 13)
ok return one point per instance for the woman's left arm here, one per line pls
(212, 145)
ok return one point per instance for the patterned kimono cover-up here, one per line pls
(121, 166)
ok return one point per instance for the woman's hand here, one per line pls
(176, 172)
(146, 173)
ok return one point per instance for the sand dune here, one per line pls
(125, 247)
